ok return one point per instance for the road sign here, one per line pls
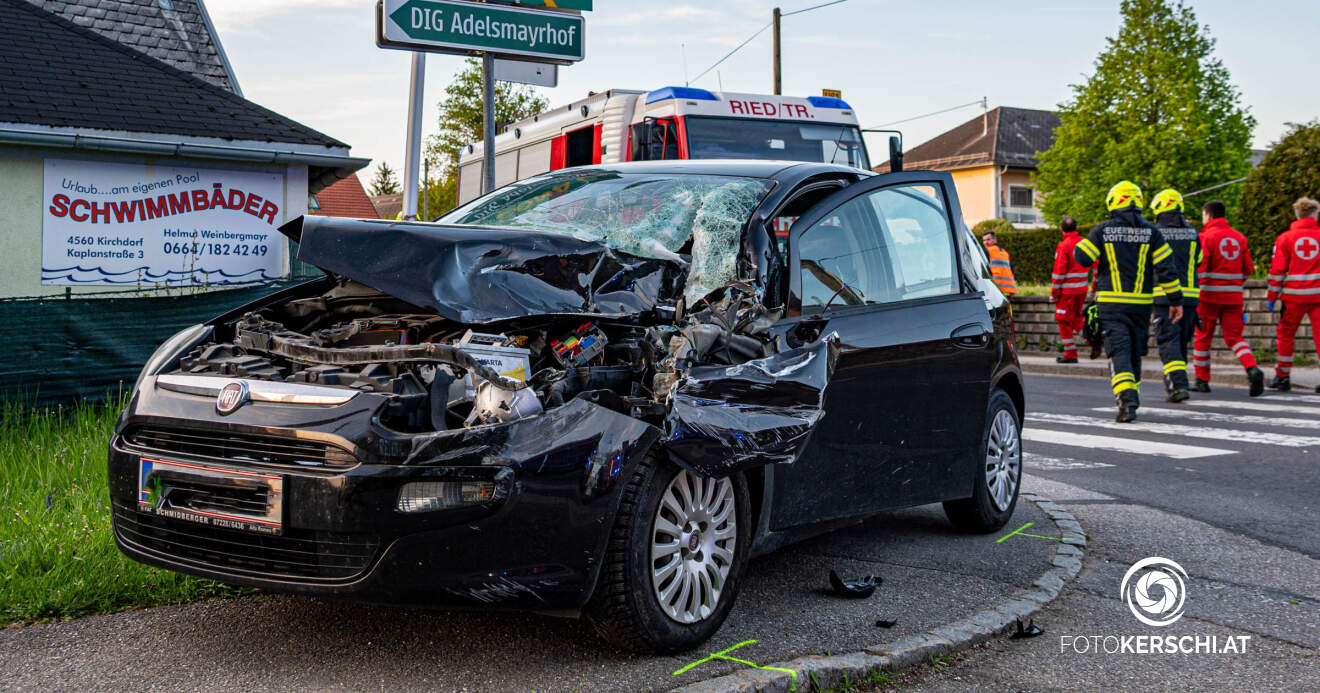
(539, 74)
(456, 26)
(560, 4)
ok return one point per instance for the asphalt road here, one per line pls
(931, 576)
(1227, 486)
(1258, 477)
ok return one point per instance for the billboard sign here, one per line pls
(144, 225)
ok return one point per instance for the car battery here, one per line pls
(580, 346)
(491, 350)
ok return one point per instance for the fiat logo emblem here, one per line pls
(231, 397)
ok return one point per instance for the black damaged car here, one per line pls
(597, 391)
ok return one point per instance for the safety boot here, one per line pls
(1281, 383)
(1202, 386)
(1128, 401)
(1066, 359)
(1095, 351)
(1178, 395)
(1257, 380)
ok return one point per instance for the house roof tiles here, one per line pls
(1003, 136)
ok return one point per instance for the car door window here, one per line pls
(891, 244)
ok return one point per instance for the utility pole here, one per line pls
(426, 189)
(778, 79)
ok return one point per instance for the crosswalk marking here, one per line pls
(1220, 417)
(1034, 461)
(1253, 406)
(1136, 447)
(1168, 429)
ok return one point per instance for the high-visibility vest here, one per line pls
(1002, 270)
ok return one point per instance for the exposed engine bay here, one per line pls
(535, 323)
(442, 375)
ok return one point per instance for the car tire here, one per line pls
(997, 477)
(629, 606)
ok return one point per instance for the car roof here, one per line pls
(752, 168)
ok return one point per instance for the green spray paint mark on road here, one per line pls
(1019, 533)
(723, 654)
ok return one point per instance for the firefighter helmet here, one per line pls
(1166, 200)
(1123, 194)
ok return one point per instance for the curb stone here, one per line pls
(816, 672)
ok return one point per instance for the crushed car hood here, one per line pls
(481, 274)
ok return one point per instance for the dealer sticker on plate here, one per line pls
(214, 496)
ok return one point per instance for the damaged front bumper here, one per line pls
(533, 544)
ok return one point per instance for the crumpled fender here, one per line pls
(723, 419)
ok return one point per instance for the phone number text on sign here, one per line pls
(141, 225)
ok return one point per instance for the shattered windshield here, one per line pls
(650, 215)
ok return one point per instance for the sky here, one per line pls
(316, 60)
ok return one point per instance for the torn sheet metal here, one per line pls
(724, 419)
(476, 275)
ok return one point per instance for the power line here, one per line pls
(813, 7)
(978, 102)
(758, 33)
(730, 53)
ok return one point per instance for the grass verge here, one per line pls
(57, 557)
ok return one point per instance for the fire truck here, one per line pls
(669, 123)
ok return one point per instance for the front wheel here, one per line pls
(998, 476)
(674, 560)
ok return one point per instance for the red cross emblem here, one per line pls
(1306, 248)
(1229, 248)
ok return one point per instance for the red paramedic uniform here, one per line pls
(1225, 266)
(1295, 277)
(1070, 282)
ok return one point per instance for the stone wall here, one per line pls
(1033, 317)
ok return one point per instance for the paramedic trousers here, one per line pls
(1288, 324)
(1068, 313)
(1126, 328)
(1228, 315)
(1172, 339)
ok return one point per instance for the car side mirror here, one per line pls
(807, 330)
(895, 154)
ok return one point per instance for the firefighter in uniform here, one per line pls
(1225, 265)
(1001, 268)
(1295, 278)
(1069, 283)
(1128, 254)
(1171, 337)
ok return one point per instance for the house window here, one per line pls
(1019, 196)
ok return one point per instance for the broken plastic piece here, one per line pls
(1030, 631)
(861, 588)
(886, 624)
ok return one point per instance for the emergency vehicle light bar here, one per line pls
(827, 102)
(666, 93)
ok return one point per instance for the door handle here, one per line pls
(970, 336)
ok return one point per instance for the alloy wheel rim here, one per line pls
(1003, 460)
(693, 538)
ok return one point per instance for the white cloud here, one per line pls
(657, 14)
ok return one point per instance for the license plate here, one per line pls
(214, 496)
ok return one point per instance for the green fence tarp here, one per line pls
(58, 350)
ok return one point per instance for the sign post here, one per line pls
(489, 30)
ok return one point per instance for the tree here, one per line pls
(1290, 170)
(1160, 110)
(461, 123)
(383, 181)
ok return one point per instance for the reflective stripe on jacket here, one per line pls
(1068, 278)
(1129, 254)
(1186, 245)
(1225, 265)
(1001, 268)
(1295, 270)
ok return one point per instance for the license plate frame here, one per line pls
(161, 492)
